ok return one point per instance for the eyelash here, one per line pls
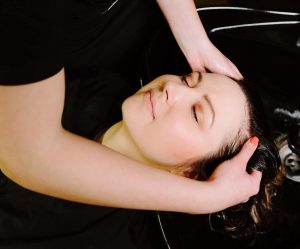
(193, 109)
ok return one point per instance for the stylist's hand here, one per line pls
(231, 180)
(192, 39)
(206, 57)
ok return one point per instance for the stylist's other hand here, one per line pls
(233, 183)
(208, 58)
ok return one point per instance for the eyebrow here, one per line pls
(211, 109)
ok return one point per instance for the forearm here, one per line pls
(78, 169)
(185, 23)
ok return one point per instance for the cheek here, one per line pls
(171, 141)
(186, 142)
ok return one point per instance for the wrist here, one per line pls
(207, 198)
(195, 53)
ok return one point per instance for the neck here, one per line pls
(118, 139)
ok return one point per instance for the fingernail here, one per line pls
(254, 140)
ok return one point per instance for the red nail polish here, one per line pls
(254, 140)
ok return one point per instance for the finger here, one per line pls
(237, 74)
(246, 152)
(226, 67)
(197, 65)
(256, 174)
(246, 200)
(229, 69)
(256, 178)
(198, 68)
(220, 67)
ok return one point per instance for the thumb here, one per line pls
(246, 152)
(198, 67)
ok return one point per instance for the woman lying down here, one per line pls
(188, 125)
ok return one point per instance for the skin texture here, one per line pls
(176, 119)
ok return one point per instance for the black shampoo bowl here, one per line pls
(265, 45)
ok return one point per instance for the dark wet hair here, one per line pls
(246, 220)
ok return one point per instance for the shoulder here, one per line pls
(31, 40)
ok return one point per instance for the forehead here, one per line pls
(223, 90)
(229, 102)
(220, 81)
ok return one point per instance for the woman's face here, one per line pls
(175, 119)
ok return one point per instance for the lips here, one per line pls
(149, 103)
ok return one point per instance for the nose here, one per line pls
(175, 91)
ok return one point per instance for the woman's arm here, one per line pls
(37, 153)
(192, 39)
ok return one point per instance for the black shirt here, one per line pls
(38, 38)
(90, 38)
